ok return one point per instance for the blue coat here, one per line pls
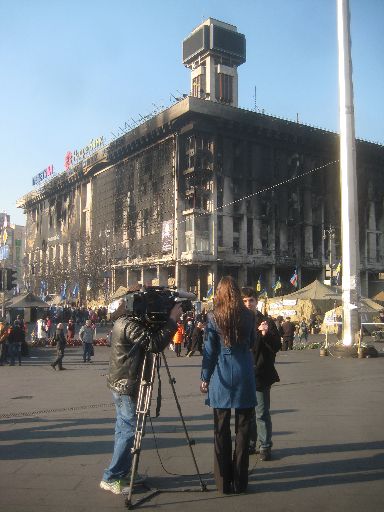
(229, 370)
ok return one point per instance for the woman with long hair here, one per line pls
(228, 377)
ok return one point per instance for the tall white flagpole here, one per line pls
(348, 181)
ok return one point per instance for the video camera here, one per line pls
(152, 303)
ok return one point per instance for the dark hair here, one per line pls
(247, 291)
(228, 306)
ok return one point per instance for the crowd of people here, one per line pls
(47, 332)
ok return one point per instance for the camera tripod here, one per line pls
(150, 365)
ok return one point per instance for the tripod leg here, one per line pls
(142, 408)
(172, 381)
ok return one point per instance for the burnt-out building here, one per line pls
(201, 190)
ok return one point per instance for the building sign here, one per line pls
(53, 238)
(42, 175)
(167, 236)
(77, 156)
(289, 302)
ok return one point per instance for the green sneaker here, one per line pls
(113, 486)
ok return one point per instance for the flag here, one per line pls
(338, 272)
(277, 285)
(293, 279)
(210, 292)
(42, 290)
(263, 294)
(64, 290)
(75, 290)
(258, 284)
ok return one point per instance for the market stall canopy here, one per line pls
(26, 300)
(314, 299)
(379, 297)
(370, 306)
(314, 291)
(120, 292)
(368, 310)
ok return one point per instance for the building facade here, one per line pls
(12, 247)
(201, 190)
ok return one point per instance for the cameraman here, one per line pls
(131, 338)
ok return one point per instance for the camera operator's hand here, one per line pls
(176, 312)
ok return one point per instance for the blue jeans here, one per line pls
(261, 427)
(14, 351)
(124, 436)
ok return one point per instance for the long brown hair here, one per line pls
(228, 306)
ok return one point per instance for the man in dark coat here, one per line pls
(288, 329)
(16, 337)
(197, 339)
(265, 348)
(59, 338)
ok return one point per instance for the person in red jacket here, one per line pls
(70, 332)
(178, 338)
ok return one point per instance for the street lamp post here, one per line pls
(348, 181)
(351, 290)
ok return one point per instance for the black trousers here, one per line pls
(231, 469)
(59, 359)
(288, 343)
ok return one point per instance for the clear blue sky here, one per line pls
(73, 70)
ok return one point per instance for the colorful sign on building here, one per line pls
(42, 175)
(72, 158)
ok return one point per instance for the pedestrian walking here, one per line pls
(16, 337)
(4, 331)
(288, 329)
(303, 330)
(227, 376)
(70, 332)
(197, 339)
(86, 334)
(41, 332)
(59, 340)
(48, 327)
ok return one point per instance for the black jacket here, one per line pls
(130, 340)
(264, 353)
(59, 338)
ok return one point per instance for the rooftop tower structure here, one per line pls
(212, 52)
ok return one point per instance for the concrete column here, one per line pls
(210, 78)
(183, 285)
(283, 228)
(162, 275)
(371, 235)
(308, 228)
(242, 275)
(133, 276)
(213, 277)
(227, 214)
(271, 276)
